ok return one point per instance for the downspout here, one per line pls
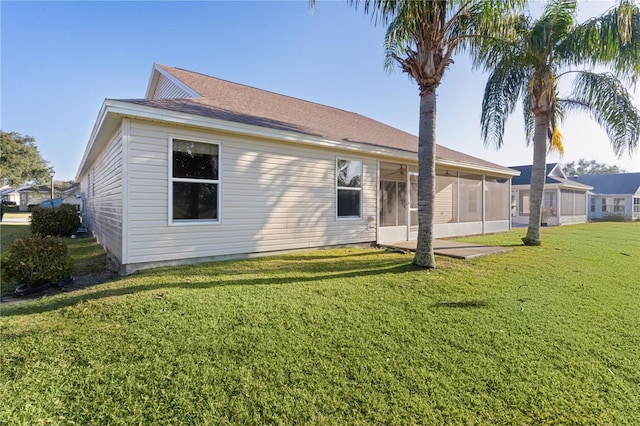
(126, 134)
(484, 214)
(509, 204)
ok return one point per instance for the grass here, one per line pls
(541, 335)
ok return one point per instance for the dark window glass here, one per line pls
(348, 203)
(195, 160)
(195, 200)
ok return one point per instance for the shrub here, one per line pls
(58, 221)
(34, 261)
(612, 217)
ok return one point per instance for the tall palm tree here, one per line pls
(422, 37)
(547, 50)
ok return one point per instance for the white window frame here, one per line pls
(337, 188)
(171, 180)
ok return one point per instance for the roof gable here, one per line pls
(163, 85)
(554, 176)
(235, 102)
(181, 96)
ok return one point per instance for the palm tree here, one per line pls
(551, 48)
(422, 37)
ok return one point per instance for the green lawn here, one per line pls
(541, 335)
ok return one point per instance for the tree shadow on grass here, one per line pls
(181, 278)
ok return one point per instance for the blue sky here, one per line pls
(60, 60)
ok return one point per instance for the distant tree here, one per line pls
(585, 167)
(20, 160)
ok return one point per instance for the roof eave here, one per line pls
(113, 111)
(501, 171)
(98, 135)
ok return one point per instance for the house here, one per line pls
(29, 195)
(564, 200)
(6, 197)
(70, 194)
(204, 169)
(613, 195)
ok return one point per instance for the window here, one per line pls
(470, 187)
(636, 205)
(195, 181)
(549, 202)
(593, 205)
(607, 205)
(524, 203)
(349, 188)
(497, 198)
(618, 205)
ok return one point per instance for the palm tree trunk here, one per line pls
(426, 179)
(538, 176)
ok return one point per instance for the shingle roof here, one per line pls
(619, 183)
(234, 102)
(525, 174)
(525, 177)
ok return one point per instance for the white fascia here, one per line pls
(94, 133)
(477, 168)
(126, 109)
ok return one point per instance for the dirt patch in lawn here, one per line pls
(80, 282)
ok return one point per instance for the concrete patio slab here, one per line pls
(452, 248)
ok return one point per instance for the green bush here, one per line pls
(35, 261)
(58, 221)
(612, 217)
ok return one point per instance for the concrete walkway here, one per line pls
(452, 248)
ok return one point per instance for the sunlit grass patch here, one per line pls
(351, 336)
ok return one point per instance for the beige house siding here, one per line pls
(102, 185)
(274, 196)
(166, 89)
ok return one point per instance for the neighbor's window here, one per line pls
(524, 203)
(195, 181)
(619, 205)
(349, 188)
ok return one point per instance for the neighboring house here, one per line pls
(203, 168)
(6, 194)
(29, 195)
(613, 195)
(564, 200)
(71, 194)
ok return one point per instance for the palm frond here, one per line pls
(554, 24)
(611, 39)
(503, 89)
(529, 118)
(608, 102)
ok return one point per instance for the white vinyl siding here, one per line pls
(102, 185)
(167, 89)
(277, 196)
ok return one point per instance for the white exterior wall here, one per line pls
(274, 196)
(599, 214)
(102, 186)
